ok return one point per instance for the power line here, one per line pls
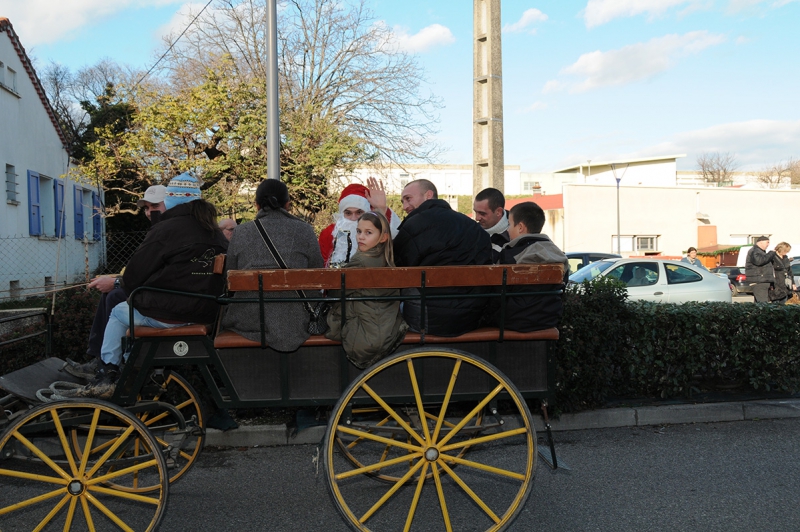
(174, 43)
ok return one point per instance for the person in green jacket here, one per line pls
(372, 329)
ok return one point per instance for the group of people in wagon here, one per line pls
(179, 250)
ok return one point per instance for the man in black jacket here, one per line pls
(758, 269)
(435, 235)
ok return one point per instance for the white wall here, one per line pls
(671, 213)
(29, 141)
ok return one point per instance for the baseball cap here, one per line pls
(154, 194)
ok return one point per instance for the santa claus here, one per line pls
(337, 242)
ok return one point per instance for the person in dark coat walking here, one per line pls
(784, 282)
(759, 270)
(435, 235)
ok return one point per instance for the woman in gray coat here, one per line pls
(286, 324)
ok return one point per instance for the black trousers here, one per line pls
(761, 292)
(107, 304)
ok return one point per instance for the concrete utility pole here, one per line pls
(487, 96)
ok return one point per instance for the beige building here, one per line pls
(661, 211)
(668, 220)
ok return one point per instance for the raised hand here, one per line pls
(376, 194)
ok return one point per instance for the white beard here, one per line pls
(341, 231)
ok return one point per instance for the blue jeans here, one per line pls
(117, 326)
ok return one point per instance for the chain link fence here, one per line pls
(33, 268)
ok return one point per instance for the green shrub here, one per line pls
(611, 347)
(72, 319)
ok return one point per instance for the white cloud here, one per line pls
(529, 17)
(754, 142)
(48, 21)
(735, 6)
(631, 63)
(180, 20)
(535, 106)
(743, 40)
(599, 12)
(424, 39)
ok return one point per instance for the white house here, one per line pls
(50, 227)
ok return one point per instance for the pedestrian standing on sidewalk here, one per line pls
(691, 258)
(782, 266)
(759, 270)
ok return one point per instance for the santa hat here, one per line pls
(354, 197)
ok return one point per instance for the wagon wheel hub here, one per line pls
(431, 454)
(75, 487)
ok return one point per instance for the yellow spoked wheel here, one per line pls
(180, 431)
(376, 420)
(46, 486)
(436, 487)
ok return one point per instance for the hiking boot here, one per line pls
(82, 371)
(103, 385)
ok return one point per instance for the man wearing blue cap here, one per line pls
(177, 254)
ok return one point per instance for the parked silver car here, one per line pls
(659, 280)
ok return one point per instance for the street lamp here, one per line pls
(273, 128)
(618, 179)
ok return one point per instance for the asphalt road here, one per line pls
(698, 477)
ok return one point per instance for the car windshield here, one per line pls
(590, 271)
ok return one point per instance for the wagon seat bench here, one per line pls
(253, 375)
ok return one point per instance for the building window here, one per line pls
(46, 212)
(646, 243)
(11, 80)
(403, 181)
(86, 216)
(11, 185)
(643, 244)
(531, 186)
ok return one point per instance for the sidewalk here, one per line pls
(264, 435)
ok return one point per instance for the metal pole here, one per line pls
(618, 235)
(273, 132)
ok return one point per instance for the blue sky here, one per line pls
(591, 79)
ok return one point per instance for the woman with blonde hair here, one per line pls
(782, 290)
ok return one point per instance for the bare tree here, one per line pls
(776, 175)
(716, 167)
(337, 63)
(794, 172)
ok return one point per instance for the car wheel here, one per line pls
(734, 291)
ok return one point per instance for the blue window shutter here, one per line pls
(58, 189)
(97, 218)
(34, 218)
(77, 194)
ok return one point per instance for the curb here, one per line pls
(272, 435)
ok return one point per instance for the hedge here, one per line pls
(609, 347)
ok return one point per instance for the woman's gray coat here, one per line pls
(286, 324)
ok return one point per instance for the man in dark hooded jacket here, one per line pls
(435, 235)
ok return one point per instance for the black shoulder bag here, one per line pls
(318, 313)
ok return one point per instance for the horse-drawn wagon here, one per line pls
(441, 419)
